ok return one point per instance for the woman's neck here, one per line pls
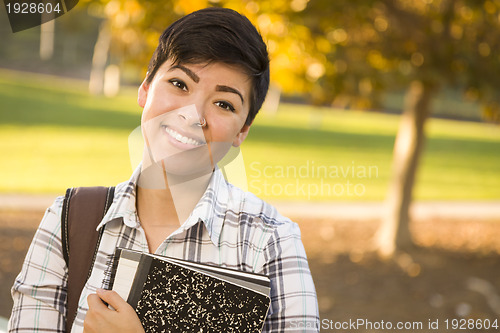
(165, 199)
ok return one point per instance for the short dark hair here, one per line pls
(217, 35)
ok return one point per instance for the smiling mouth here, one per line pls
(181, 138)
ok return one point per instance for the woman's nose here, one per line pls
(192, 116)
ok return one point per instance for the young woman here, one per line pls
(205, 84)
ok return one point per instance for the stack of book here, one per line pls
(173, 295)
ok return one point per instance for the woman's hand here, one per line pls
(100, 318)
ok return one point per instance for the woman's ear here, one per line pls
(241, 136)
(142, 95)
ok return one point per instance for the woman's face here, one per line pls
(182, 97)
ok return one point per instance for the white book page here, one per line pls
(214, 273)
(124, 277)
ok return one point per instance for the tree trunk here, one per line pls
(47, 39)
(99, 60)
(394, 233)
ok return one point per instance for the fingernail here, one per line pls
(100, 290)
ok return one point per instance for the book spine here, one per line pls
(140, 278)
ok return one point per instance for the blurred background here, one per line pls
(380, 136)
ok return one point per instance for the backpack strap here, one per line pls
(83, 210)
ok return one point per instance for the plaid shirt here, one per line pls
(228, 227)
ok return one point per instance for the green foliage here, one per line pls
(348, 53)
(380, 46)
(137, 25)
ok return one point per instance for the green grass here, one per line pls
(53, 135)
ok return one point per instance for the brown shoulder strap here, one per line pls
(83, 210)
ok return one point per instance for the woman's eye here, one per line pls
(179, 84)
(225, 105)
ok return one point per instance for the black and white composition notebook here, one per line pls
(173, 295)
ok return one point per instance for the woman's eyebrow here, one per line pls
(196, 79)
(188, 72)
(231, 90)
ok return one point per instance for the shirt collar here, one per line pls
(210, 209)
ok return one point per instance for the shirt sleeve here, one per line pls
(294, 306)
(39, 291)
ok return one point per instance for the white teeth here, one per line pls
(181, 138)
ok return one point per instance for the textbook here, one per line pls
(174, 295)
